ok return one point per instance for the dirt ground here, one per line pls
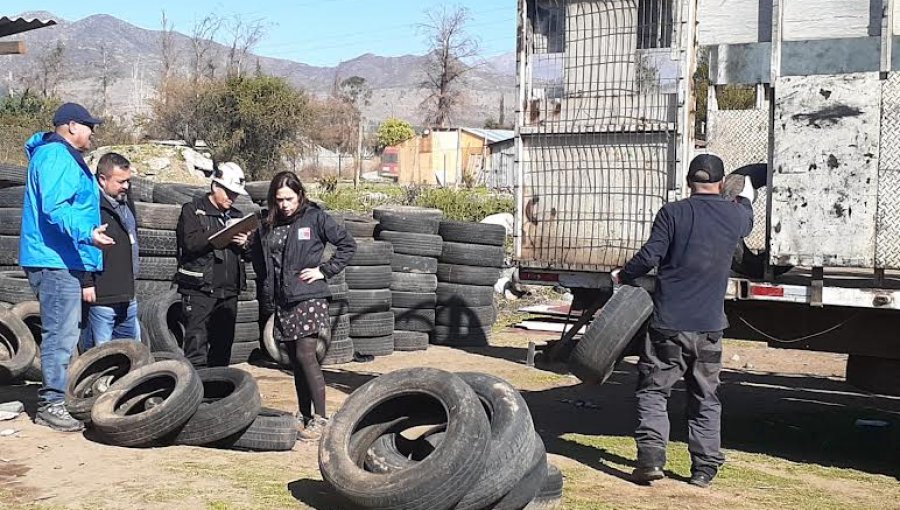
(790, 435)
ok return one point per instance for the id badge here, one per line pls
(131, 238)
(304, 234)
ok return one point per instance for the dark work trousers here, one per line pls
(208, 329)
(666, 357)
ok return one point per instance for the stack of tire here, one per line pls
(12, 196)
(368, 278)
(133, 398)
(412, 231)
(468, 268)
(463, 457)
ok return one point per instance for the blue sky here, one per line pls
(322, 32)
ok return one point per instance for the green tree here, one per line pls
(394, 131)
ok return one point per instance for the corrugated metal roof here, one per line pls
(9, 26)
(492, 135)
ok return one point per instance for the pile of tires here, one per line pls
(368, 278)
(421, 438)
(468, 268)
(412, 232)
(19, 353)
(130, 397)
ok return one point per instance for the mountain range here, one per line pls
(133, 59)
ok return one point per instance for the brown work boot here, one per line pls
(314, 429)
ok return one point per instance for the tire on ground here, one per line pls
(360, 229)
(97, 369)
(466, 316)
(123, 417)
(550, 494)
(17, 347)
(414, 319)
(596, 354)
(231, 402)
(374, 345)
(441, 479)
(530, 485)
(410, 341)
(270, 431)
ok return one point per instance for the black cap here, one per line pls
(74, 112)
(706, 168)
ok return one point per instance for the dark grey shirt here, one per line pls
(691, 245)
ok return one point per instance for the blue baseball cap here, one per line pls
(74, 112)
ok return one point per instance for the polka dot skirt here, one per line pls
(305, 318)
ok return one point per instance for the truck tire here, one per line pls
(270, 431)
(473, 233)
(414, 319)
(9, 250)
(374, 345)
(529, 485)
(410, 341)
(160, 243)
(414, 264)
(372, 324)
(550, 494)
(14, 196)
(14, 287)
(157, 268)
(141, 189)
(372, 253)
(97, 369)
(454, 336)
(455, 294)
(368, 277)
(439, 481)
(413, 299)
(11, 221)
(468, 275)
(162, 320)
(415, 223)
(465, 254)
(876, 375)
(369, 301)
(231, 402)
(408, 243)
(157, 216)
(13, 174)
(122, 416)
(30, 313)
(338, 292)
(16, 345)
(413, 282)
(621, 318)
(360, 229)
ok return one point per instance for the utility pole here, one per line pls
(359, 139)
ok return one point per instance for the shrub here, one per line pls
(466, 204)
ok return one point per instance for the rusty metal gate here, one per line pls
(602, 126)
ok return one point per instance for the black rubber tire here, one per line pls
(550, 494)
(368, 277)
(174, 380)
(258, 191)
(408, 210)
(161, 317)
(413, 282)
(466, 317)
(410, 341)
(338, 307)
(149, 289)
(30, 313)
(13, 174)
(468, 275)
(9, 250)
(455, 294)
(14, 287)
(413, 319)
(361, 229)
(160, 243)
(402, 222)
(372, 325)
(465, 254)
(440, 480)
(472, 233)
(877, 375)
(369, 301)
(374, 345)
(621, 318)
(14, 196)
(141, 189)
(157, 216)
(246, 331)
(413, 300)
(16, 339)
(248, 312)
(157, 268)
(413, 264)
(164, 355)
(116, 358)
(271, 431)
(340, 330)
(529, 485)
(372, 253)
(340, 350)
(454, 336)
(242, 352)
(231, 402)
(11, 221)
(176, 194)
(422, 245)
(248, 294)
(338, 291)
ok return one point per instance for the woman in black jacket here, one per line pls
(292, 240)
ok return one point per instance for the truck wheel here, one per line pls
(596, 354)
(877, 375)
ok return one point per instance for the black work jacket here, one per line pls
(201, 268)
(115, 284)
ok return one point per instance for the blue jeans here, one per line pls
(59, 292)
(111, 322)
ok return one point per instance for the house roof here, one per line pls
(492, 135)
(10, 26)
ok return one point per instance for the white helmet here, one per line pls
(230, 176)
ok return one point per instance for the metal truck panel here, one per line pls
(825, 182)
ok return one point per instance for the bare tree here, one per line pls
(49, 70)
(169, 53)
(104, 80)
(203, 46)
(245, 35)
(449, 45)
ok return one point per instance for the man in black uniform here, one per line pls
(691, 246)
(209, 279)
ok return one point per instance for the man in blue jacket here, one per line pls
(60, 246)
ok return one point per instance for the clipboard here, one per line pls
(223, 237)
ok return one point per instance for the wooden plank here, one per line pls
(12, 47)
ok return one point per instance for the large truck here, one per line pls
(607, 123)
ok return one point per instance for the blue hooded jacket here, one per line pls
(61, 209)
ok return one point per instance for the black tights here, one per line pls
(308, 378)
